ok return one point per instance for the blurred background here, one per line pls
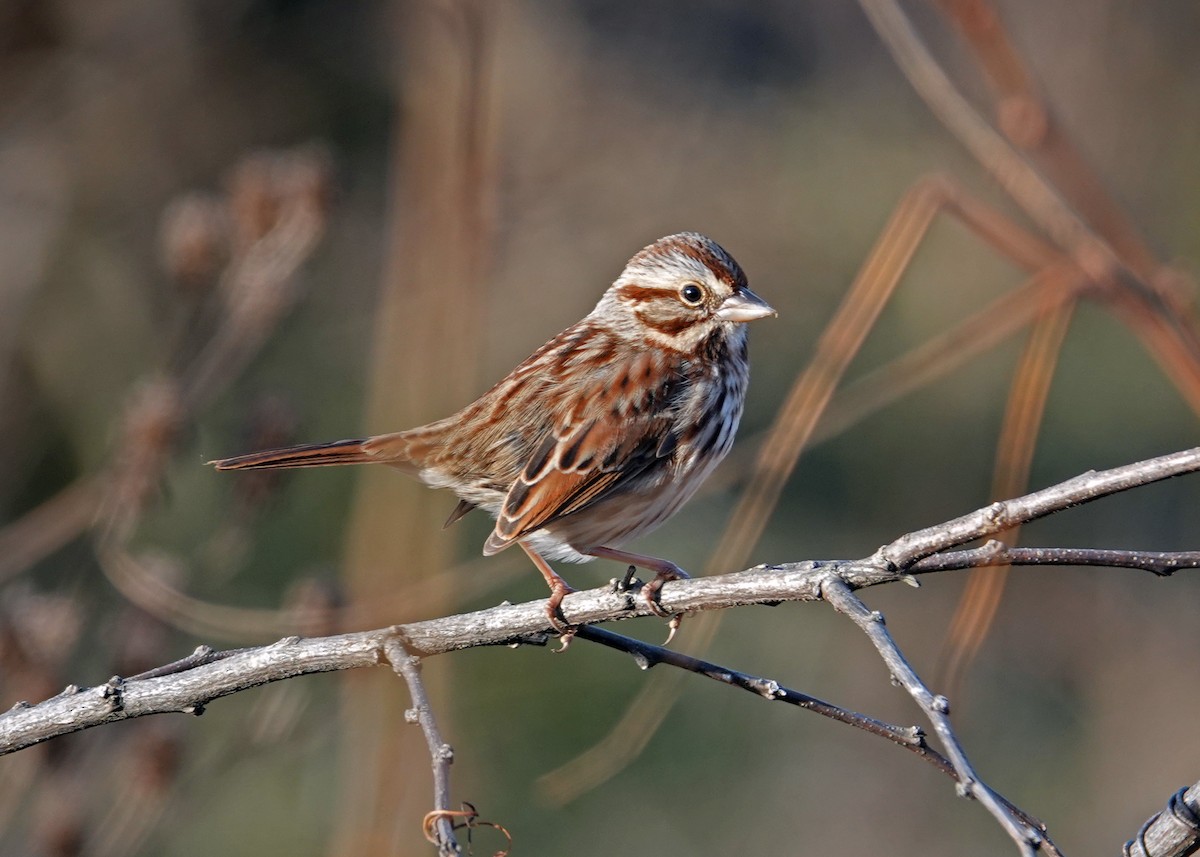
(240, 223)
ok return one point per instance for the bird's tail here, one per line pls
(305, 455)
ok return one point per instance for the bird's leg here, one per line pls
(559, 589)
(663, 569)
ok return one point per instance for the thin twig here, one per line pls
(911, 738)
(936, 708)
(408, 667)
(647, 655)
(1004, 514)
(995, 553)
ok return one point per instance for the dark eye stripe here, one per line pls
(636, 294)
(666, 326)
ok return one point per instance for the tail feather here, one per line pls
(305, 455)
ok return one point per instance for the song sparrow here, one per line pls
(603, 432)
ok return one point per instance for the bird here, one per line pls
(601, 434)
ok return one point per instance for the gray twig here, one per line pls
(993, 553)
(1005, 514)
(185, 686)
(911, 738)
(936, 708)
(647, 655)
(408, 667)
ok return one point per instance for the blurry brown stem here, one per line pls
(843, 337)
(995, 323)
(258, 303)
(1040, 201)
(49, 526)
(1026, 119)
(1012, 172)
(438, 240)
(1170, 346)
(145, 580)
(924, 364)
(1014, 458)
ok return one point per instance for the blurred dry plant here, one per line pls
(234, 258)
(425, 355)
(1078, 245)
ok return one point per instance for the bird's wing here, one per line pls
(613, 430)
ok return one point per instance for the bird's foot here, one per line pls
(554, 612)
(653, 593)
(664, 570)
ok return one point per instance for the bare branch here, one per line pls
(936, 708)
(994, 553)
(187, 685)
(646, 655)
(184, 687)
(441, 755)
(1004, 514)
(220, 674)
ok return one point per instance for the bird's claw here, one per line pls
(558, 619)
(653, 593)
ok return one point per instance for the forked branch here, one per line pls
(190, 684)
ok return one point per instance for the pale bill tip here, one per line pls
(744, 306)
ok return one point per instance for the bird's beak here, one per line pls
(744, 305)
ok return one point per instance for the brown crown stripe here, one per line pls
(725, 268)
(707, 254)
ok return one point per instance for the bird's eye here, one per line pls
(691, 294)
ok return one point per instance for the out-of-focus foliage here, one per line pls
(784, 131)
